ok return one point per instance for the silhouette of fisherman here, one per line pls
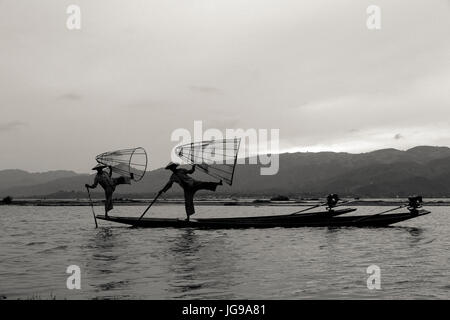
(190, 186)
(108, 183)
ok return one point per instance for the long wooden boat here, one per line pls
(331, 218)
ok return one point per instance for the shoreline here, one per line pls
(217, 202)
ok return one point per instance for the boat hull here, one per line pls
(325, 219)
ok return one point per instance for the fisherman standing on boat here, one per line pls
(108, 183)
(190, 186)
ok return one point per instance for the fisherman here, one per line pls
(108, 183)
(190, 186)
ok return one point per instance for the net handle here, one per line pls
(238, 141)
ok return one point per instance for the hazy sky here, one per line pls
(139, 69)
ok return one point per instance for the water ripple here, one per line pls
(119, 262)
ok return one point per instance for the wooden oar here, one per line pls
(322, 204)
(378, 214)
(344, 203)
(92, 206)
(303, 210)
(154, 200)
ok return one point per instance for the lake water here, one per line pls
(37, 244)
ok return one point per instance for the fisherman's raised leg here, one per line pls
(121, 180)
(210, 186)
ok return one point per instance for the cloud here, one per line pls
(223, 123)
(70, 96)
(310, 69)
(153, 104)
(206, 90)
(10, 126)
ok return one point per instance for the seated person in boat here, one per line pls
(108, 183)
(190, 186)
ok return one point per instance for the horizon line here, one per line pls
(285, 151)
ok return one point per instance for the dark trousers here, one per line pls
(108, 200)
(109, 192)
(189, 193)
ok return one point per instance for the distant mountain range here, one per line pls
(383, 173)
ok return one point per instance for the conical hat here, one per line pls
(99, 166)
(171, 165)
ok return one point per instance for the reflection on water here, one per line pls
(104, 253)
(417, 235)
(185, 263)
(199, 263)
(119, 262)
